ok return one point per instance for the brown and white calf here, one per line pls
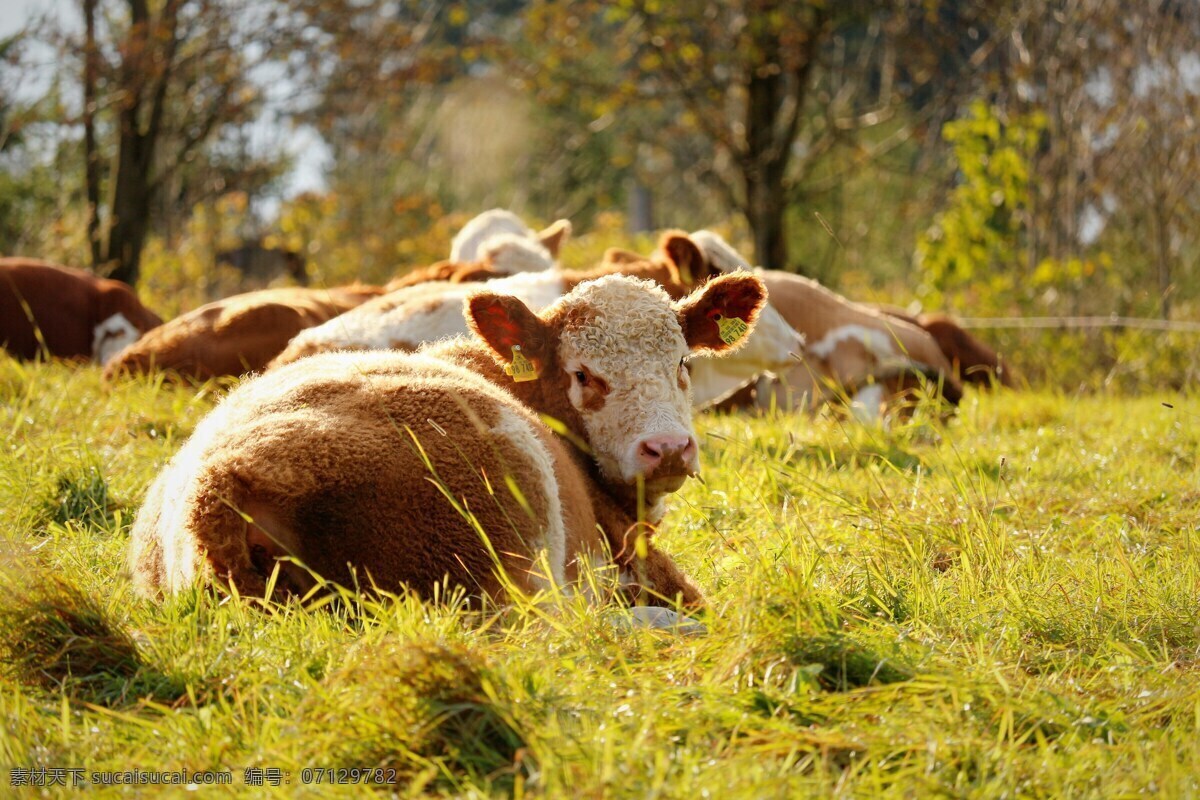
(849, 349)
(489, 230)
(75, 314)
(499, 256)
(236, 335)
(409, 318)
(387, 468)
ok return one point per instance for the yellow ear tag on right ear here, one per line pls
(731, 329)
(521, 368)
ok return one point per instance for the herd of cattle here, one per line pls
(492, 420)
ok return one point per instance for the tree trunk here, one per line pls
(145, 74)
(91, 157)
(764, 167)
(641, 208)
(776, 91)
(764, 213)
(130, 217)
(130, 205)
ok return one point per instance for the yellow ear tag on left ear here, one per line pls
(731, 329)
(521, 368)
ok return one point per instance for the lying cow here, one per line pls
(849, 349)
(498, 256)
(236, 335)
(386, 469)
(67, 313)
(470, 244)
(973, 361)
(417, 315)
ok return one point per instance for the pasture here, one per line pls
(1003, 604)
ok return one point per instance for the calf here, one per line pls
(386, 469)
(236, 335)
(67, 313)
(501, 256)
(407, 319)
(849, 348)
(471, 243)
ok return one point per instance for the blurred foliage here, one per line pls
(986, 158)
(977, 241)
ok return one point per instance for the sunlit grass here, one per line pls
(1004, 605)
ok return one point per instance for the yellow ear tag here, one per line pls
(521, 368)
(731, 329)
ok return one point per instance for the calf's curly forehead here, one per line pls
(616, 316)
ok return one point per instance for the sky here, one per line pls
(15, 13)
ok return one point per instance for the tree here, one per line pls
(1154, 108)
(158, 84)
(758, 92)
(1118, 86)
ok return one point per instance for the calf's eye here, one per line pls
(581, 376)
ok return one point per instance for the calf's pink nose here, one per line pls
(652, 452)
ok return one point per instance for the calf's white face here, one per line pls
(623, 354)
(112, 336)
(610, 363)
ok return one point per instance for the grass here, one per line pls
(1005, 605)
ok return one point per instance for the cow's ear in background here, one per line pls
(508, 327)
(686, 257)
(718, 316)
(617, 255)
(554, 237)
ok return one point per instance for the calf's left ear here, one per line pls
(504, 323)
(717, 317)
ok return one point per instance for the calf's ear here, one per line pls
(717, 317)
(554, 237)
(686, 257)
(616, 255)
(504, 322)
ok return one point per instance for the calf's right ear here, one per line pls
(504, 323)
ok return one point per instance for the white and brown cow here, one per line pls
(485, 231)
(850, 350)
(416, 315)
(498, 256)
(387, 468)
(67, 313)
(973, 361)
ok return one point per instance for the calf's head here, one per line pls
(122, 320)
(609, 360)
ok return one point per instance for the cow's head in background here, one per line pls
(772, 347)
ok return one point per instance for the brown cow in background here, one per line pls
(261, 265)
(237, 335)
(67, 313)
(973, 361)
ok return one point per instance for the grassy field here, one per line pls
(1006, 605)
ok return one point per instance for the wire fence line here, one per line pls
(1145, 323)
